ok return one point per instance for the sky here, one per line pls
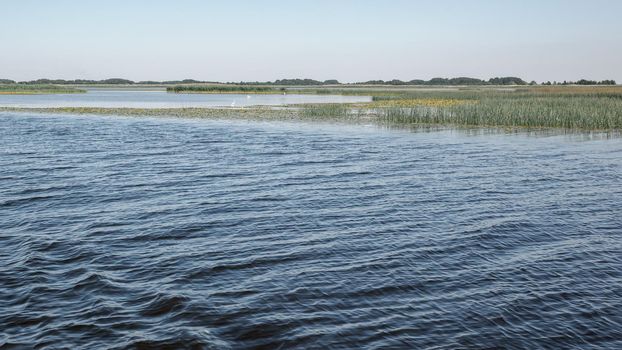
(348, 40)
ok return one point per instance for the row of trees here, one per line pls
(65, 82)
(450, 81)
(582, 82)
(299, 82)
(119, 81)
(115, 81)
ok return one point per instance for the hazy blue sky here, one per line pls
(342, 39)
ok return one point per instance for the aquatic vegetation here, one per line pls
(255, 112)
(252, 89)
(570, 109)
(574, 114)
(428, 94)
(222, 89)
(567, 107)
(419, 102)
(325, 110)
(25, 89)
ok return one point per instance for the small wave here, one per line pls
(25, 201)
(164, 304)
(137, 234)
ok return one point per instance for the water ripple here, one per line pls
(169, 234)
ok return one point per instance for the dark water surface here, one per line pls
(155, 233)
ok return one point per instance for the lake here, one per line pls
(161, 99)
(169, 233)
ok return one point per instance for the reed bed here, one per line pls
(220, 89)
(241, 89)
(568, 107)
(329, 110)
(27, 89)
(429, 95)
(420, 102)
(589, 113)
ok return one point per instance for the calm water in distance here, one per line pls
(154, 233)
(161, 99)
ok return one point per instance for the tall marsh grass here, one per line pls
(219, 89)
(37, 89)
(590, 113)
(568, 107)
(329, 110)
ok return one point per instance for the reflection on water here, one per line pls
(162, 99)
(144, 233)
(567, 134)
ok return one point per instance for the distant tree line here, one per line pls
(297, 82)
(450, 81)
(119, 81)
(79, 81)
(303, 82)
(115, 81)
(582, 82)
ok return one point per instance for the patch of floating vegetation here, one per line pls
(159, 112)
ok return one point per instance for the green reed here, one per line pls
(593, 113)
(328, 110)
(221, 89)
(37, 89)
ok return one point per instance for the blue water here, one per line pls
(161, 99)
(154, 233)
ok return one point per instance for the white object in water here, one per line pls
(248, 96)
(233, 103)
